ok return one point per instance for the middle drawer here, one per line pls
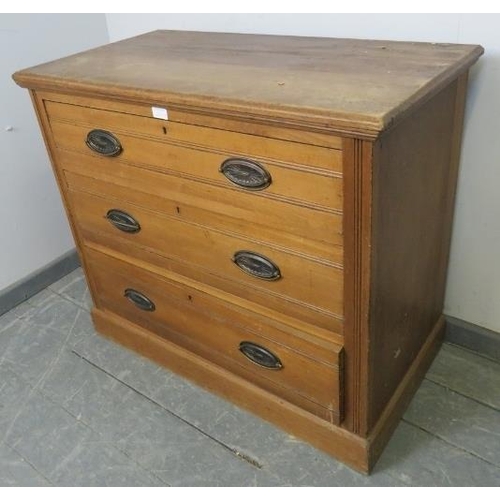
(291, 278)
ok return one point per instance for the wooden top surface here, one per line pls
(340, 84)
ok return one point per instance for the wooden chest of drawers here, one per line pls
(268, 216)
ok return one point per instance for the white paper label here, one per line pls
(161, 113)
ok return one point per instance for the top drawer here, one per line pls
(293, 172)
(289, 152)
(231, 171)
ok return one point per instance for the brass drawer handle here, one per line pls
(245, 173)
(123, 221)
(139, 300)
(260, 356)
(103, 142)
(257, 265)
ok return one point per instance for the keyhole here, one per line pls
(178, 210)
(164, 130)
(189, 297)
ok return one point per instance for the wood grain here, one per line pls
(58, 174)
(413, 181)
(312, 233)
(357, 274)
(287, 184)
(170, 132)
(316, 322)
(308, 281)
(209, 327)
(242, 123)
(394, 410)
(263, 75)
(292, 335)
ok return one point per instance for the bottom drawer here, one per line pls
(220, 332)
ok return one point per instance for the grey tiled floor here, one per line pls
(76, 409)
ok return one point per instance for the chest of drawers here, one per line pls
(267, 216)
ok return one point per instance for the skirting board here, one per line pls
(473, 337)
(38, 280)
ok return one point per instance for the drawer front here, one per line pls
(290, 277)
(312, 232)
(226, 169)
(296, 314)
(242, 125)
(212, 138)
(220, 332)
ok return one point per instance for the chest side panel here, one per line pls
(413, 191)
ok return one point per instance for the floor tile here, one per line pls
(142, 374)
(26, 307)
(458, 420)
(67, 452)
(13, 393)
(196, 465)
(15, 471)
(36, 301)
(143, 430)
(99, 464)
(81, 330)
(84, 390)
(29, 350)
(46, 435)
(59, 314)
(190, 402)
(246, 433)
(468, 374)
(31, 344)
(296, 463)
(67, 281)
(417, 458)
(187, 400)
(7, 320)
(74, 287)
(56, 323)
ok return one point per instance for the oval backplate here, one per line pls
(260, 355)
(257, 265)
(103, 143)
(245, 173)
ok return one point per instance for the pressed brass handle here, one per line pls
(257, 265)
(123, 221)
(260, 355)
(139, 300)
(103, 142)
(246, 173)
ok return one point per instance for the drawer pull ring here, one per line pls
(245, 173)
(260, 356)
(139, 300)
(103, 142)
(257, 265)
(123, 221)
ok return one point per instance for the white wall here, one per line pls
(33, 228)
(473, 292)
